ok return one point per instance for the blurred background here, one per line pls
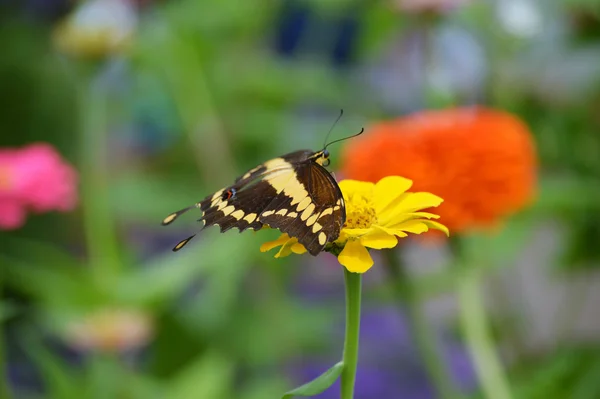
(115, 113)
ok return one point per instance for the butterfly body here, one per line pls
(293, 193)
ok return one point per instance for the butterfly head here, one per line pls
(322, 157)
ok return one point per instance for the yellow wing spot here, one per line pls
(307, 212)
(295, 190)
(286, 180)
(239, 214)
(281, 212)
(276, 163)
(249, 173)
(280, 180)
(251, 217)
(280, 173)
(228, 210)
(202, 219)
(311, 220)
(169, 218)
(316, 227)
(292, 215)
(336, 208)
(322, 238)
(303, 204)
(267, 213)
(182, 243)
(216, 196)
(328, 211)
(221, 205)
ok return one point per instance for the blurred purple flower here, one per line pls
(459, 362)
(45, 10)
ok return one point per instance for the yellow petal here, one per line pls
(438, 226)
(269, 245)
(291, 245)
(426, 215)
(393, 220)
(353, 187)
(298, 248)
(418, 226)
(379, 239)
(388, 189)
(284, 251)
(408, 203)
(392, 231)
(412, 226)
(351, 233)
(355, 257)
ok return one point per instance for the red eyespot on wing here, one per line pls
(227, 195)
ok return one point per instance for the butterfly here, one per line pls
(294, 193)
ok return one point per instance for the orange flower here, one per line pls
(481, 161)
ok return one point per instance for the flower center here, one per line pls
(360, 213)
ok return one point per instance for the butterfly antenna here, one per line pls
(346, 138)
(332, 126)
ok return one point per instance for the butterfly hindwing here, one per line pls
(309, 207)
(239, 206)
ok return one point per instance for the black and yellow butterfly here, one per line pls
(293, 193)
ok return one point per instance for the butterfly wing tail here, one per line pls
(171, 218)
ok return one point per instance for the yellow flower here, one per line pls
(110, 330)
(287, 244)
(376, 216)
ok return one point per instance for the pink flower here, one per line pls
(34, 178)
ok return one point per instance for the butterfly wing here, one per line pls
(239, 205)
(291, 193)
(309, 206)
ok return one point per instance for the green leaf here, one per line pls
(7, 310)
(319, 384)
(209, 376)
(588, 381)
(54, 285)
(166, 276)
(60, 380)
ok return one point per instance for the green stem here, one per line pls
(185, 72)
(478, 338)
(353, 292)
(4, 384)
(424, 337)
(102, 245)
(5, 392)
